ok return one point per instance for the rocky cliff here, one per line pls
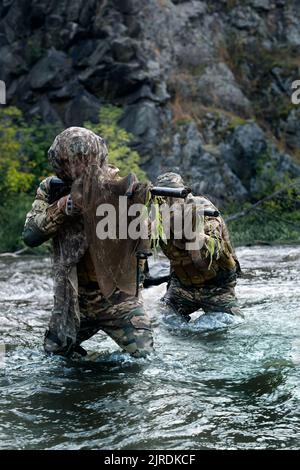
(205, 85)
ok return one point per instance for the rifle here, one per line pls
(60, 188)
(155, 281)
(57, 189)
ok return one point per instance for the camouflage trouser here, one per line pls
(210, 298)
(122, 317)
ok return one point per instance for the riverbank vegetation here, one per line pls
(23, 161)
(275, 220)
(24, 164)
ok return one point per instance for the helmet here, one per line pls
(170, 180)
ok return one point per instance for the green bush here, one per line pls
(14, 176)
(118, 141)
(276, 220)
(24, 163)
(23, 150)
(265, 227)
(12, 216)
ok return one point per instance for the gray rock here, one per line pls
(114, 78)
(142, 120)
(123, 50)
(127, 7)
(204, 171)
(219, 182)
(180, 70)
(89, 53)
(261, 4)
(243, 17)
(157, 93)
(46, 111)
(218, 87)
(51, 71)
(69, 90)
(292, 31)
(291, 129)
(246, 145)
(139, 118)
(84, 107)
(11, 64)
(20, 92)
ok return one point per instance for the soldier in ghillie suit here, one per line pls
(89, 295)
(203, 278)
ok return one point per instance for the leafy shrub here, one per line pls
(118, 141)
(23, 149)
(24, 163)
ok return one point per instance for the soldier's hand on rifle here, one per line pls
(66, 205)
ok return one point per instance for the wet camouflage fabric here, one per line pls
(204, 278)
(44, 217)
(121, 316)
(198, 266)
(170, 180)
(114, 259)
(70, 246)
(210, 298)
(72, 148)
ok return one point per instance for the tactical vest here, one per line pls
(186, 271)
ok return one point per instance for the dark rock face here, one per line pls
(51, 71)
(193, 77)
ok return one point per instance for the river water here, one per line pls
(230, 388)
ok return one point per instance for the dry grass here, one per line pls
(163, 3)
(186, 110)
(181, 113)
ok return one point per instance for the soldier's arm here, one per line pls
(211, 243)
(44, 219)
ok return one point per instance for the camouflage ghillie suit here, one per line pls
(204, 278)
(80, 309)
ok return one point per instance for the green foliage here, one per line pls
(157, 232)
(12, 216)
(255, 68)
(14, 177)
(23, 148)
(276, 220)
(37, 138)
(23, 163)
(118, 140)
(265, 226)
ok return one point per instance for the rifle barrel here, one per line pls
(170, 192)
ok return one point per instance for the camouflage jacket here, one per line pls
(46, 221)
(213, 258)
(70, 250)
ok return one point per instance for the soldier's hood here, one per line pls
(201, 202)
(113, 257)
(73, 148)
